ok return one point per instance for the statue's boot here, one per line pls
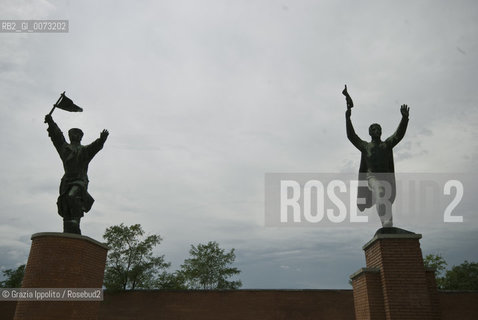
(387, 224)
(385, 214)
(72, 226)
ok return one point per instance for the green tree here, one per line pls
(462, 277)
(209, 268)
(436, 262)
(14, 277)
(131, 263)
(172, 281)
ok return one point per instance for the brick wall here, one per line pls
(368, 295)
(220, 305)
(54, 256)
(59, 260)
(458, 305)
(403, 279)
(434, 295)
(251, 304)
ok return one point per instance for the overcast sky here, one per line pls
(203, 98)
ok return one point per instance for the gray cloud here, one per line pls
(203, 98)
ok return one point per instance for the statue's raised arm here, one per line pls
(93, 148)
(351, 135)
(398, 135)
(55, 133)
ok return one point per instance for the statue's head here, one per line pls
(75, 135)
(375, 130)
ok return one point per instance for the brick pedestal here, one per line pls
(395, 284)
(62, 260)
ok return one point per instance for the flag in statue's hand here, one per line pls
(350, 103)
(66, 104)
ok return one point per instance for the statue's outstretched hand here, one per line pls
(104, 134)
(404, 109)
(348, 99)
(344, 92)
(48, 119)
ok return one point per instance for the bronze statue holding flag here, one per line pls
(74, 198)
(376, 164)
